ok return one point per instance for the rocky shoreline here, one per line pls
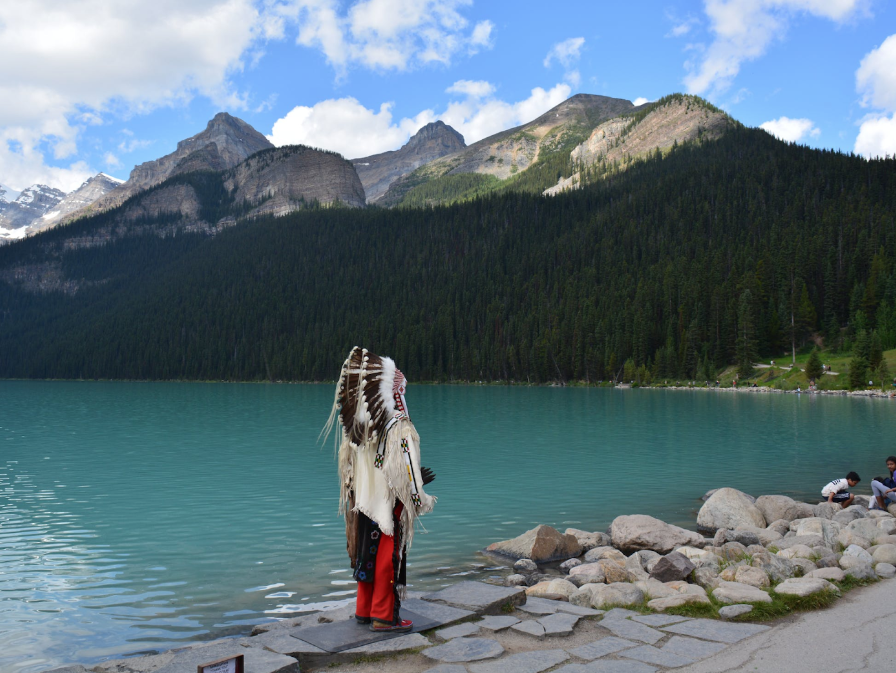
(767, 389)
(759, 547)
(643, 591)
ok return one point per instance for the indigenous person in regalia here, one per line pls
(381, 483)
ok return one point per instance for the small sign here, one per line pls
(232, 664)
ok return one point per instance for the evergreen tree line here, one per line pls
(714, 254)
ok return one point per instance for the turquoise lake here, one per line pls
(140, 516)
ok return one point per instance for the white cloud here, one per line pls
(466, 87)
(385, 34)
(111, 160)
(876, 82)
(344, 125)
(81, 61)
(744, 29)
(876, 76)
(791, 130)
(640, 100)
(877, 137)
(566, 52)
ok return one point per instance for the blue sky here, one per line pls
(102, 85)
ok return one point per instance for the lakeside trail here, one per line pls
(855, 634)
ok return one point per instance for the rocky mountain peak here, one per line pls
(437, 131)
(431, 142)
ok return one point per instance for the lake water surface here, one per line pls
(140, 516)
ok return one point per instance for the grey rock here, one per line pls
(781, 526)
(778, 507)
(733, 551)
(523, 662)
(379, 171)
(444, 615)
(826, 510)
(744, 537)
(411, 641)
(707, 578)
(728, 508)
(29, 207)
(603, 595)
(830, 561)
(481, 598)
(676, 601)
(805, 586)
(806, 540)
(607, 666)
(540, 606)
(830, 574)
(672, 567)
(735, 592)
(647, 558)
(866, 528)
(858, 552)
(849, 515)
(465, 649)
(803, 566)
(578, 610)
(885, 553)
(525, 565)
(721, 632)
(885, 570)
(516, 580)
(283, 643)
(531, 628)
(601, 553)
(635, 532)
(657, 621)
(862, 571)
(824, 528)
(559, 624)
(692, 648)
(497, 623)
(540, 544)
(620, 613)
(586, 573)
(77, 668)
(601, 648)
(569, 564)
(653, 655)
(255, 659)
(85, 195)
(458, 631)
(732, 611)
(625, 628)
(589, 540)
(446, 668)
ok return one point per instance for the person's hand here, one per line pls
(428, 475)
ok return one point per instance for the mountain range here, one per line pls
(434, 167)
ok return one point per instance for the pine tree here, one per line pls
(883, 373)
(858, 373)
(746, 335)
(862, 347)
(875, 351)
(813, 366)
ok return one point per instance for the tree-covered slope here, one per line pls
(676, 263)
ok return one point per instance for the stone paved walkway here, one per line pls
(488, 629)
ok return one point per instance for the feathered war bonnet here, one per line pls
(378, 446)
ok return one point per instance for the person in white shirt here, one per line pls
(836, 491)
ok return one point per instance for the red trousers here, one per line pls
(377, 599)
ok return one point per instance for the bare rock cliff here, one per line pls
(431, 142)
(224, 143)
(289, 178)
(85, 195)
(31, 204)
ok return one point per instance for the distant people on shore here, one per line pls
(837, 490)
(883, 489)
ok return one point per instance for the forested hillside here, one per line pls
(736, 246)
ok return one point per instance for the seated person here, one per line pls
(836, 491)
(883, 489)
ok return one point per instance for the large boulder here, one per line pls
(805, 586)
(866, 528)
(857, 552)
(712, 492)
(850, 514)
(887, 526)
(672, 567)
(755, 577)
(588, 540)
(777, 568)
(728, 508)
(885, 571)
(540, 544)
(848, 537)
(635, 532)
(553, 589)
(735, 592)
(824, 528)
(676, 601)
(827, 510)
(598, 553)
(885, 553)
(599, 596)
(776, 507)
(587, 573)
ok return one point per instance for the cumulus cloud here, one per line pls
(640, 100)
(791, 130)
(385, 34)
(876, 82)
(743, 30)
(567, 53)
(81, 61)
(346, 126)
